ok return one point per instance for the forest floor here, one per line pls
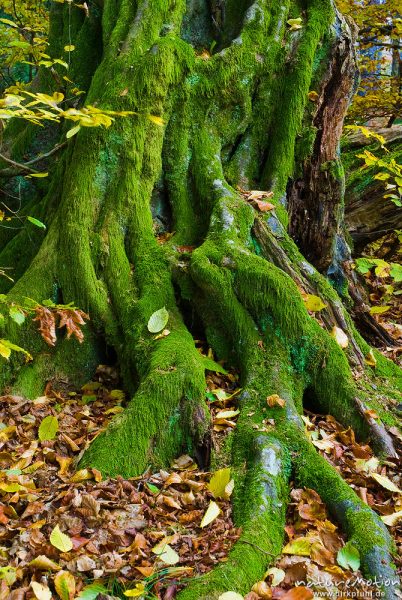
(72, 534)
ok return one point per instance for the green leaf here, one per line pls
(211, 365)
(48, 428)
(348, 557)
(16, 315)
(9, 574)
(36, 222)
(396, 272)
(153, 488)
(91, 592)
(60, 540)
(158, 320)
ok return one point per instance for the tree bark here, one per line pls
(233, 119)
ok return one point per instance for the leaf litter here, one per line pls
(72, 534)
(64, 530)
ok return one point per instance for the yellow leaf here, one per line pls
(60, 540)
(313, 303)
(230, 596)
(298, 547)
(157, 120)
(64, 583)
(37, 175)
(4, 351)
(392, 520)
(81, 475)
(386, 483)
(41, 592)
(44, 563)
(73, 131)
(212, 512)
(136, 592)
(370, 359)
(218, 482)
(313, 96)
(340, 337)
(166, 553)
(227, 414)
(69, 48)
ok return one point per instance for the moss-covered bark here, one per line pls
(237, 117)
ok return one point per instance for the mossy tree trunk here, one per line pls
(240, 117)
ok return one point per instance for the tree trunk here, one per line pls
(233, 120)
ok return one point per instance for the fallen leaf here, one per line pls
(298, 593)
(299, 547)
(340, 337)
(276, 400)
(158, 320)
(44, 563)
(64, 583)
(60, 540)
(313, 303)
(348, 557)
(385, 482)
(212, 512)
(48, 428)
(166, 553)
(218, 482)
(393, 519)
(41, 591)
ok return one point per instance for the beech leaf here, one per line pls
(92, 591)
(230, 596)
(136, 592)
(44, 563)
(348, 557)
(211, 365)
(298, 547)
(64, 583)
(313, 303)
(392, 520)
(60, 540)
(385, 482)
(36, 222)
(218, 482)
(166, 553)
(41, 591)
(340, 337)
(158, 320)
(210, 515)
(48, 428)
(73, 131)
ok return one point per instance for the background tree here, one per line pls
(155, 228)
(379, 95)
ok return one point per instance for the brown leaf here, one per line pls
(47, 324)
